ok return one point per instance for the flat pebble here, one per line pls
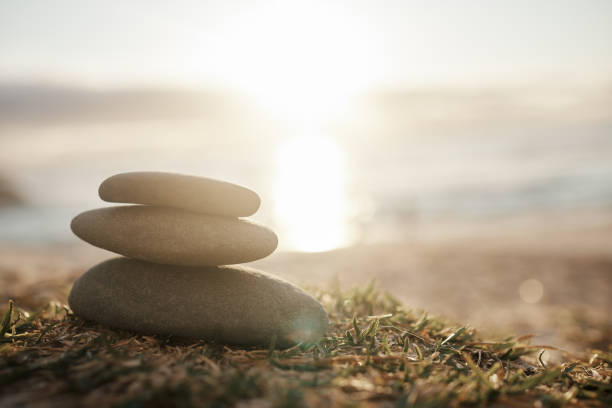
(234, 304)
(198, 194)
(171, 236)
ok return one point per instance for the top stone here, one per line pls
(197, 194)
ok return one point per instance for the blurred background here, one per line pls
(460, 152)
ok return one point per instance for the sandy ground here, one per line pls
(469, 272)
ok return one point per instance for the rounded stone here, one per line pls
(171, 236)
(198, 194)
(8, 194)
(232, 304)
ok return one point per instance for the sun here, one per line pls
(302, 61)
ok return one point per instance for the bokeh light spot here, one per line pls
(531, 291)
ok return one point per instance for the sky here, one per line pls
(305, 47)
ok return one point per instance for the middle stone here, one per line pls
(171, 236)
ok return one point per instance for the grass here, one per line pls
(376, 352)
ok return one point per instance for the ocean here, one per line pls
(321, 187)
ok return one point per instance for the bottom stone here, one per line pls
(227, 304)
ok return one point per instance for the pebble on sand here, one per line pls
(8, 194)
(234, 305)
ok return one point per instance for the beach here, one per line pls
(469, 273)
(423, 191)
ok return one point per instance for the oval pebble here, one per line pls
(235, 305)
(171, 236)
(198, 194)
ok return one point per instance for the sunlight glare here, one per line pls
(303, 62)
(311, 205)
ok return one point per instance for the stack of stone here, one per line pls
(170, 280)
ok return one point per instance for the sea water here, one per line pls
(319, 189)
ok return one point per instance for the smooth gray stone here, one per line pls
(198, 194)
(234, 305)
(8, 194)
(177, 237)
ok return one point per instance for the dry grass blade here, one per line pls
(410, 360)
(6, 320)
